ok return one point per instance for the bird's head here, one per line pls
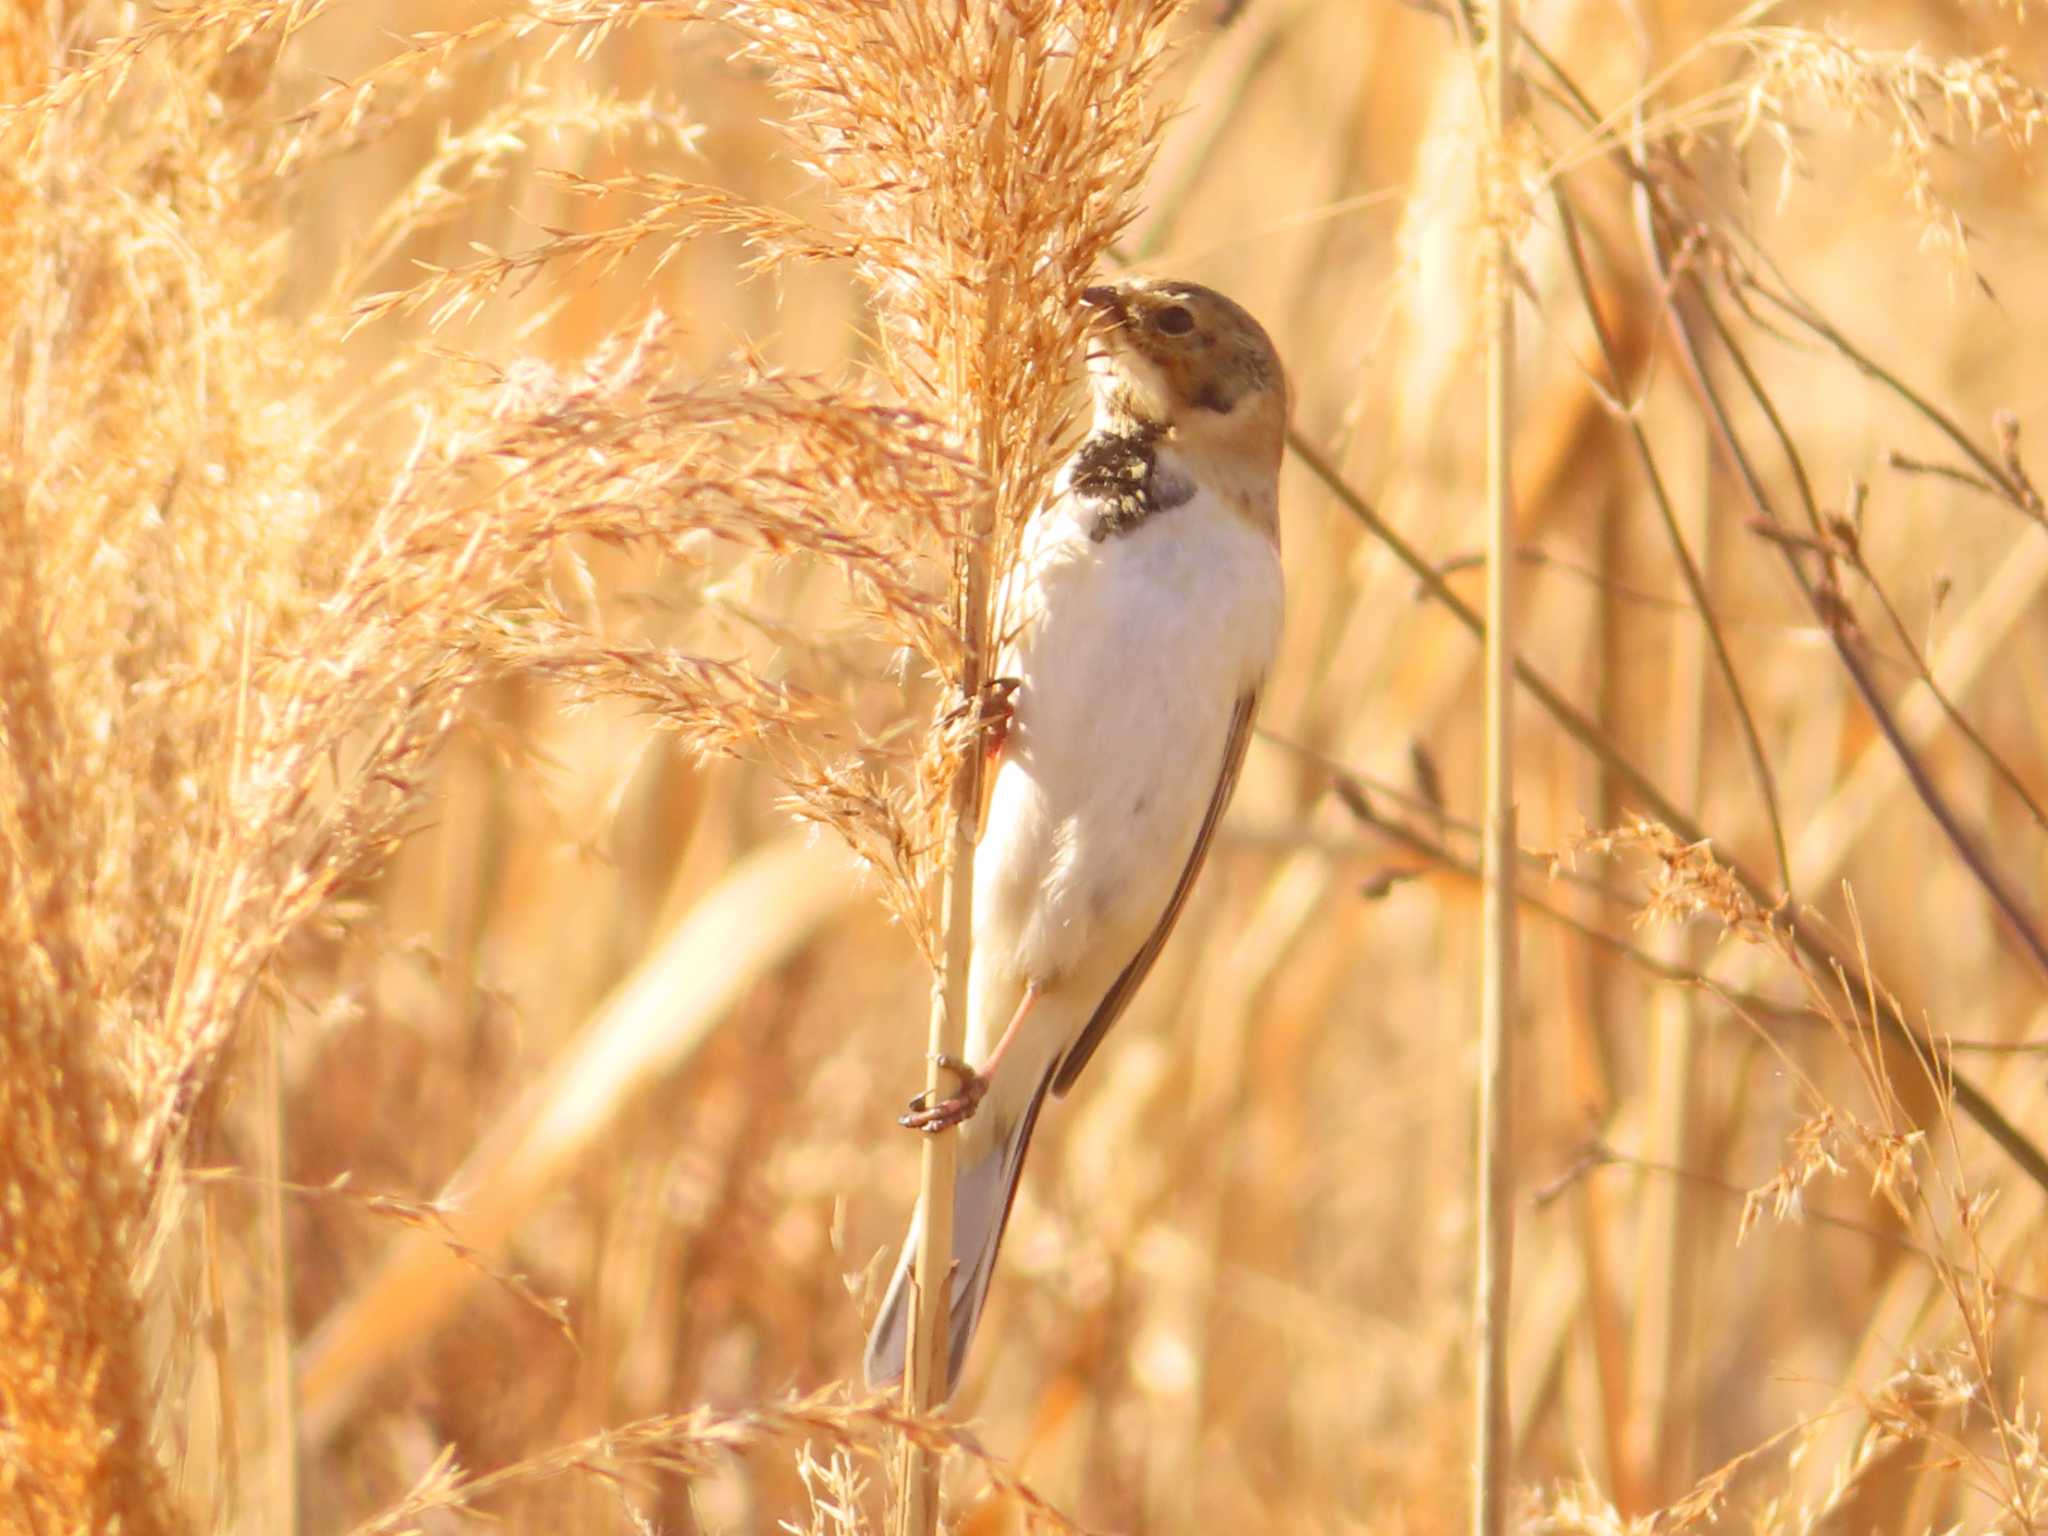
(1174, 355)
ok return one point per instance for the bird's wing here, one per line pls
(1126, 985)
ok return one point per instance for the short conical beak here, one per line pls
(1107, 300)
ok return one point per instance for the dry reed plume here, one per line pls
(424, 1089)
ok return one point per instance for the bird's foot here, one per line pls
(992, 711)
(998, 709)
(931, 1118)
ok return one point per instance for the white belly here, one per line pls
(1131, 655)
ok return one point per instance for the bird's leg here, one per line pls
(928, 1117)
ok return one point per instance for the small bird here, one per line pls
(1137, 627)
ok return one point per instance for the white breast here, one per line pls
(1131, 655)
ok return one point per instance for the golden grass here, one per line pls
(474, 474)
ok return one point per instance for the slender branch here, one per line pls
(1853, 554)
(1688, 568)
(1968, 1097)
(1572, 720)
(1444, 857)
(1597, 1155)
(1828, 607)
(1971, 1099)
(1359, 793)
(2013, 488)
(2022, 922)
(1906, 464)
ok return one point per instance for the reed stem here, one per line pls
(924, 1376)
(1495, 1203)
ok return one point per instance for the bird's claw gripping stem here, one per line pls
(993, 709)
(931, 1118)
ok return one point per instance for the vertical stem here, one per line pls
(1592, 1078)
(1660, 1418)
(924, 1374)
(930, 1303)
(1495, 1193)
(277, 1503)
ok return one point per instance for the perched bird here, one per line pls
(1137, 629)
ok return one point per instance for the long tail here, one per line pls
(982, 1195)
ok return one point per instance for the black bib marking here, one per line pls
(1118, 475)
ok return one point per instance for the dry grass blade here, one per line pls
(765, 908)
(684, 1444)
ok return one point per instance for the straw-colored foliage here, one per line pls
(474, 474)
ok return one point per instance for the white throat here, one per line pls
(1126, 385)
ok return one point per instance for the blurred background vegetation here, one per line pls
(1235, 1293)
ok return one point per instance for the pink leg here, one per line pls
(947, 1113)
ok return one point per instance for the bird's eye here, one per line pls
(1174, 320)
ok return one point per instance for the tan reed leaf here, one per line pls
(661, 1013)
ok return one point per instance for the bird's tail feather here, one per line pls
(982, 1195)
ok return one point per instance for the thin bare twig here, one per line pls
(1688, 568)
(2015, 489)
(1572, 720)
(1968, 1096)
(1851, 546)
(1825, 599)
(1444, 857)
(1906, 464)
(1596, 1155)
(1971, 1099)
